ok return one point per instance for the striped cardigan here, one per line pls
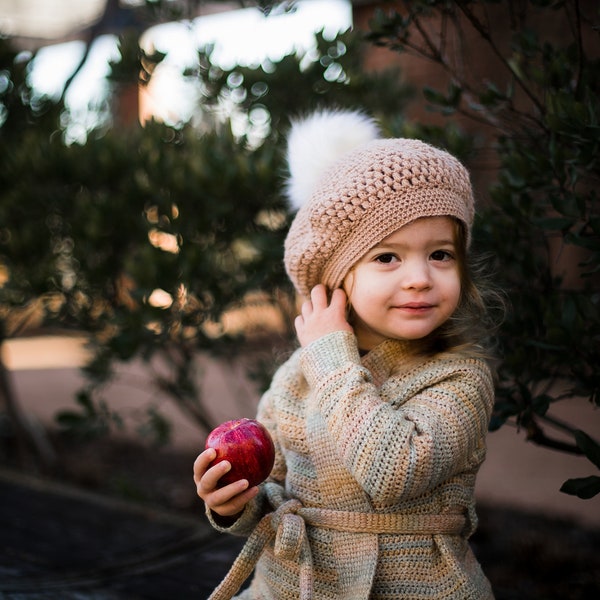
(366, 440)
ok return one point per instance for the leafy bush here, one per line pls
(145, 238)
(541, 109)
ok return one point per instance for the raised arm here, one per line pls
(408, 436)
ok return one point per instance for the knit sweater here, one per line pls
(384, 434)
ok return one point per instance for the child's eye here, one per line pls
(441, 255)
(386, 258)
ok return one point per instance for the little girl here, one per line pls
(379, 418)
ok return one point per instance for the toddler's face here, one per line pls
(406, 286)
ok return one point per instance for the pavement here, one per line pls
(516, 474)
(59, 543)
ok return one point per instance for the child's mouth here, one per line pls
(415, 307)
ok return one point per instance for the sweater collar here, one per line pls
(389, 357)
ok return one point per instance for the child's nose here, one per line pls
(417, 276)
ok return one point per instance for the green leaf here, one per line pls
(582, 487)
(449, 102)
(84, 399)
(585, 242)
(156, 427)
(569, 313)
(492, 96)
(541, 404)
(588, 446)
(69, 419)
(554, 223)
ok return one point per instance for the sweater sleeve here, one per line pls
(397, 448)
(258, 506)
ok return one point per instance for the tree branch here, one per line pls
(537, 435)
(477, 25)
(431, 51)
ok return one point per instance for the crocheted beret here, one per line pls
(354, 189)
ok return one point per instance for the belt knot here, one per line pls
(290, 530)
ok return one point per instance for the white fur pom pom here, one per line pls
(318, 141)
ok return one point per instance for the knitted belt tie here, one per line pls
(287, 526)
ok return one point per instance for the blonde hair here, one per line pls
(470, 330)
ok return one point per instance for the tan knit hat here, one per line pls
(362, 195)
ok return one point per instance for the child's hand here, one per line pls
(228, 501)
(319, 317)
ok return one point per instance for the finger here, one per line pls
(318, 295)
(306, 309)
(219, 496)
(232, 505)
(210, 479)
(237, 503)
(216, 498)
(338, 300)
(202, 462)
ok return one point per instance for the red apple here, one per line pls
(247, 445)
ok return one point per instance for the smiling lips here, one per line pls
(415, 307)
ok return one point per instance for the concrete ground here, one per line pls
(516, 474)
